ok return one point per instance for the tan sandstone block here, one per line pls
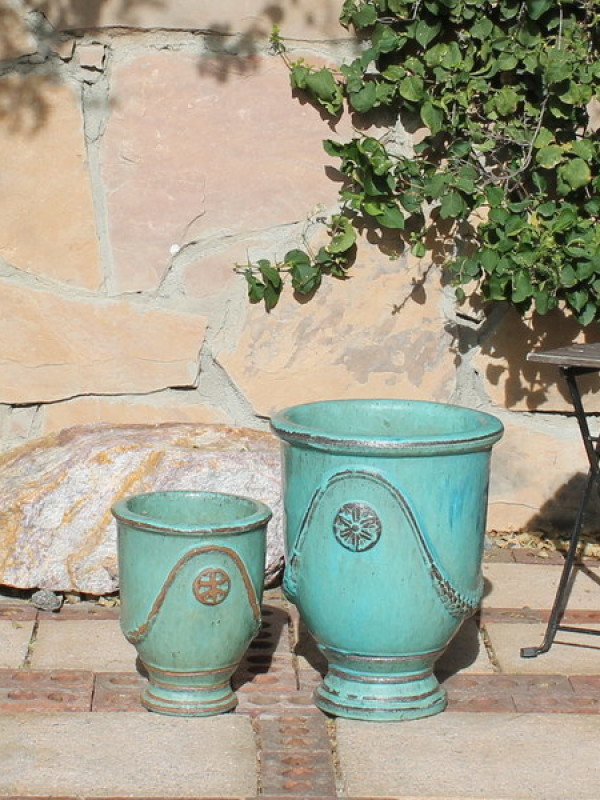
(351, 340)
(311, 19)
(538, 475)
(47, 226)
(84, 410)
(192, 153)
(52, 347)
(513, 382)
(15, 39)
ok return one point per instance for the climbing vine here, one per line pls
(504, 181)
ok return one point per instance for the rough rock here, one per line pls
(56, 494)
(46, 600)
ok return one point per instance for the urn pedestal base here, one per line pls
(189, 694)
(379, 689)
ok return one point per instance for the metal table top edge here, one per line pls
(574, 355)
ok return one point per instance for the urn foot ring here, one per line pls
(378, 699)
(201, 698)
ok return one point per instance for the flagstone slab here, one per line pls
(53, 347)
(15, 637)
(534, 586)
(98, 646)
(466, 653)
(490, 756)
(511, 381)
(152, 410)
(570, 654)
(314, 19)
(197, 148)
(525, 496)
(348, 341)
(48, 228)
(129, 754)
(15, 38)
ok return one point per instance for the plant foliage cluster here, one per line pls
(507, 173)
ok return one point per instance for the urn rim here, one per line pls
(251, 514)
(453, 428)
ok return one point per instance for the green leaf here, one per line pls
(542, 301)
(482, 28)
(270, 276)
(453, 206)
(412, 88)
(391, 217)
(365, 17)
(548, 157)
(432, 116)
(538, 7)
(586, 269)
(544, 138)
(488, 259)
(323, 86)
(337, 149)
(575, 173)
(426, 32)
(344, 235)
(568, 276)
(588, 314)
(365, 99)
(305, 278)
(256, 289)
(577, 299)
(584, 148)
(506, 101)
(494, 195)
(522, 287)
(296, 258)
(271, 296)
(558, 67)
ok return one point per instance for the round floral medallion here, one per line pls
(357, 527)
(212, 586)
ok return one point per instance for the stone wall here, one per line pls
(146, 146)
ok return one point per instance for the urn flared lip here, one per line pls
(457, 429)
(260, 516)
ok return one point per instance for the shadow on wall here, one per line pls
(527, 384)
(35, 30)
(249, 38)
(559, 512)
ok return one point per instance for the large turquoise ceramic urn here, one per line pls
(191, 571)
(385, 505)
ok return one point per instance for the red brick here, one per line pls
(563, 704)
(525, 556)
(115, 691)
(586, 684)
(484, 702)
(18, 612)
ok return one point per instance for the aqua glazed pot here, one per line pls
(191, 569)
(385, 505)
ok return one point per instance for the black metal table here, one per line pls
(573, 362)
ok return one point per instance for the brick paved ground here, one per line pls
(296, 744)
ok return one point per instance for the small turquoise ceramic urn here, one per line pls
(385, 505)
(191, 569)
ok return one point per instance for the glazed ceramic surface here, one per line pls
(385, 506)
(191, 567)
